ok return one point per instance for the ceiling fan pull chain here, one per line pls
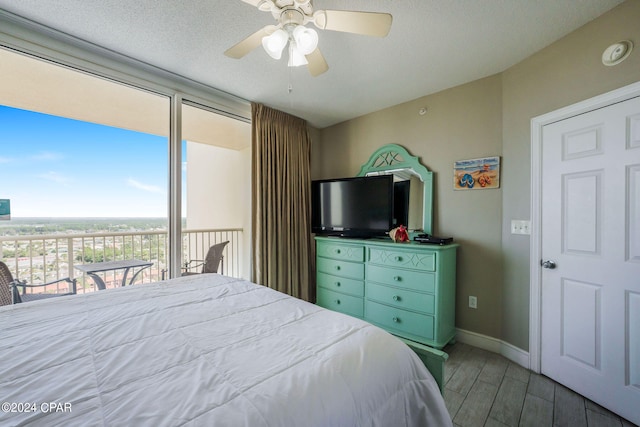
(290, 85)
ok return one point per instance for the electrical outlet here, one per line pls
(519, 226)
(473, 302)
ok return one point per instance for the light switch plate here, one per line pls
(520, 226)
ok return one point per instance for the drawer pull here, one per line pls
(338, 301)
(397, 278)
(337, 267)
(396, 298)
(338, 284)
(338, 251)
(396, 320)
(397, 258)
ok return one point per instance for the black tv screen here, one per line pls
(352, 207)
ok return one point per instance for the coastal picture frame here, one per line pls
(476, 174)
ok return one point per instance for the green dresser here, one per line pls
(406, 288)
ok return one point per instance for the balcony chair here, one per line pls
(211, 262)
(10, 292)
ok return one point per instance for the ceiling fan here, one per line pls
(292, 16)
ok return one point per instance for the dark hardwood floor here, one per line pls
(486, 389)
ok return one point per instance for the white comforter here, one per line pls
(205, 350)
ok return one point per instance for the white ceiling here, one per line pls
(432, 45)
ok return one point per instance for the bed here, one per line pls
(206, 350)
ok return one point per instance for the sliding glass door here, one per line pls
(97, 170)
(215, 191)
(84, 164)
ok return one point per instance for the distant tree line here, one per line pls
(35, 226)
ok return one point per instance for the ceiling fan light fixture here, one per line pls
(274, 43)
(296, 57)
(306, 39)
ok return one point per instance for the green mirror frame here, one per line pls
(394, 157)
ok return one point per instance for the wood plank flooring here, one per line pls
(485, 389)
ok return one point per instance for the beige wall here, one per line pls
(486, 117)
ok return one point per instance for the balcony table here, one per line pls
(127, 264)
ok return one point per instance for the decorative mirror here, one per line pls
(408, 173)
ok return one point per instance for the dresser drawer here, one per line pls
(401, 298)
(343, 303)
(415, 260)
(341, 284)
(403, 322)
(340, 251)
(409, 279)
(340, 268)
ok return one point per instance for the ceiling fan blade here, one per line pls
(366, 23)
(247, 45)
(253, 2)
(317, 64)
(263, 5)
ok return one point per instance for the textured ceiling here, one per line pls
(432, 45)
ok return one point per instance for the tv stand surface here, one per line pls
(407, 289)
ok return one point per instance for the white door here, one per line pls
(590, 322)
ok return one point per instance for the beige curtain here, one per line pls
(281, 195)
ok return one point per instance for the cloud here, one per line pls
(55, 177)
(47, 156)
(5, 160)
(145, 187)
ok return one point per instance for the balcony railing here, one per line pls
(43, 258)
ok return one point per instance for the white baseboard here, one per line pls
(511, 352)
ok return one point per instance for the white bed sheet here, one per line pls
(206, 350)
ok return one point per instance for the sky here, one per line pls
(57, 167)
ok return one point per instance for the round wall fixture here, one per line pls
(617, 52)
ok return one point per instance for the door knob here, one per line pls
(548, 264)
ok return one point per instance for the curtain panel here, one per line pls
(281, 197)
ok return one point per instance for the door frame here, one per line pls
(535, 274)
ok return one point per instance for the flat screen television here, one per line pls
(352, 207)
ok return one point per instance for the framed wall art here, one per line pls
(476, 174)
